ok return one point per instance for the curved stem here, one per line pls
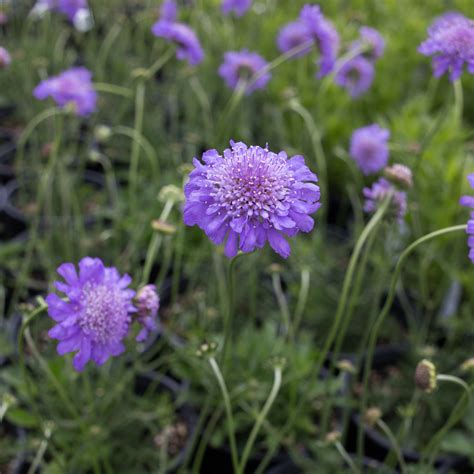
(383, 313)
(261, 417)
(371, 225)
(393, 441)
(455, 380)
(458, 100)
(228, 410)
(159, 63)
(283, 305)
(345, 455)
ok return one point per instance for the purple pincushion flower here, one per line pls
(73, 86)
(188, 45)
(325, 36)
(451, 44)
(369, 148)
(239, 7)
(147, 303)
(249, 196)
(96, 316)
(68, 8)
(468, 201)
(241, 65)
(369, 38)
(379, 191)
(293, 35)
(356, 75)
(5, 58)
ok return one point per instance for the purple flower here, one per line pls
(73, 86)
(147, 303)
(5, 58)
(68, 8)
(324, 35)
(239, 7)
(372, 39)
(243, 65)
(188, 45)
(369, 148)
(451, 44)
(249, 196)
(468, 201)
(292, 35)
(356, 75)
(377, 194)
(96, 316)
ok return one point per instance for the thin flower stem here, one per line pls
(458, 100)
(338, 319)
(113, 89)
(374, 331)
(228, 410)
(302, 299)
(159, 63)
(135, 156)
(455, 380)
(393, 441)
(456, 415)
(261, 417)
(345, 455)
(41, 451)
(282, 304)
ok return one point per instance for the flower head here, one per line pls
(188, 45)
(242, 65)
(356, 75)
(292, 35)
(451, 44)
(369, 148)
(251, 195)
(96, 316)
(68, 8)
(377, 194)
(239, 7)
(5, 58)
(147, 303)
(468, 201)
(425, 376)
(73, 86)
(372, 41)
(400, 175)
(325, 37)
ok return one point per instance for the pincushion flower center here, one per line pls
(461, 39)
(103, 313)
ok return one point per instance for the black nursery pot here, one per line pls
(376, 445)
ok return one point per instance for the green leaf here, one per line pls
(21, 418)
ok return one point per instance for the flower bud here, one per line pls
(5, 58)
(345, 365)
(163, 227)
(102, 133)
(171, 193)
(333, 437)
(425, 376)
(372, 415)
(206, 349)
(147, 303)
(468, 365)
(400, 175)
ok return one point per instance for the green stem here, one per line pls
(383, 313)
(261, 417)
(458, 100)
(455, 380)
(302, 299)
(138, 126)
(113, 89)
(455, 417)
(228, 410)
(345, 455)
(371, 225)
(282, 304)
(393, 441)
(159, 63)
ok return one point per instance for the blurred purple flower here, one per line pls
(468, 201)
(325, 36)
(292, 35)
(187, 43)
(5, 58)
(377, 194)
(451, 44)
(241, 65)
(356, 75)
(239, 7)
(369, 148)
(369, 38)
(147, 303)
(68, 8)
(96, 316)
(251, 195)
(73, 86)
